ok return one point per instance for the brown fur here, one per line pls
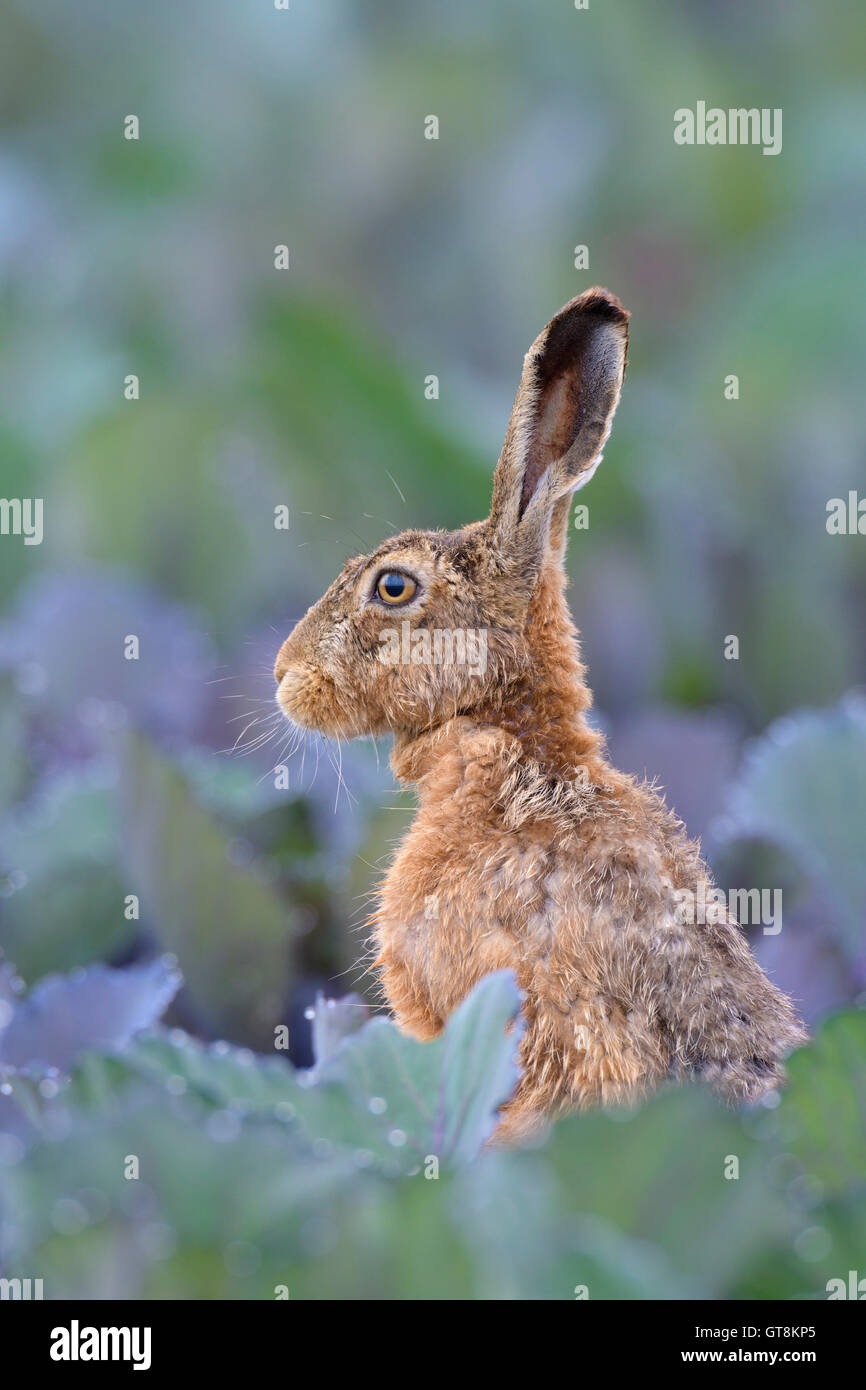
(528, 850)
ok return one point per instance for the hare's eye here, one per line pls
(393, 587)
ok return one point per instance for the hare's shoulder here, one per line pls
(484, 772)
(589, 801)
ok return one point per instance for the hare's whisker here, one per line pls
(394, 481)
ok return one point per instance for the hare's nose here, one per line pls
(282, 663)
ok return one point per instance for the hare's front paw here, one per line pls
(409, 1002)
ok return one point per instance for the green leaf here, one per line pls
(251, 1182)
(184, 561)
(13, 769)
(324, 382)
(64, 900)
(335, 1020)
(822, 1118)
(397, 1101)
(663, 1174)
(66, 1015)
(229, 929)
(804, 789)
(437, 1098)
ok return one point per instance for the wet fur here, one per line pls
(528, 850)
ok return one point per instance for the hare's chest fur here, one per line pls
(498, 871)
(456, 906)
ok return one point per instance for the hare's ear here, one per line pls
(562, 413)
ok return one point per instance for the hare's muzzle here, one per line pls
(298, 695)
(305, 693)
(282, 663)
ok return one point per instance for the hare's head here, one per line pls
(433, 623)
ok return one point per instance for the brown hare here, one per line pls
(528, 850)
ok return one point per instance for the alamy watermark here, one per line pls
(437, 646)
(737, 126)
(22, 516)
(854, 1287)
(846, 517)
(751, 907)
(22, 1289)
(77, 1343)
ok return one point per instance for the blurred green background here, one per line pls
(306, 388)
